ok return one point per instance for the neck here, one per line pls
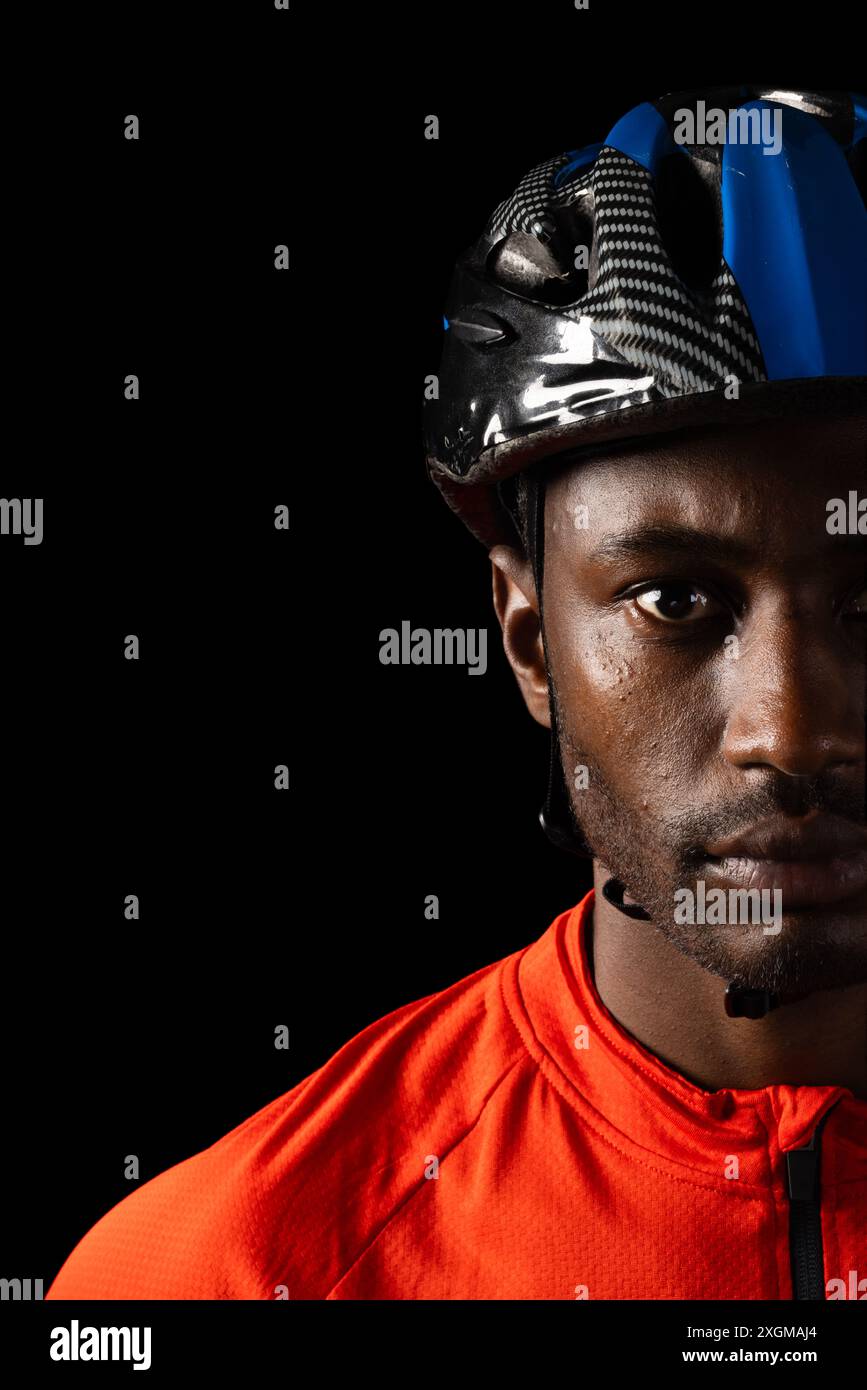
(675, 1009)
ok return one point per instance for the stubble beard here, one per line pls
(651, 857)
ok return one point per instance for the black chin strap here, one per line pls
(739, 1001)
(555, 817)
(612, 892)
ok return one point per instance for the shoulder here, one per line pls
(284, 1203)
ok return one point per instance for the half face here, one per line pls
(704, 611)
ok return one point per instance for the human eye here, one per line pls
(675, 602)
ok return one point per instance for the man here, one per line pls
(652, 400)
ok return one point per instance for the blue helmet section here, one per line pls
(577, 160)
(794, 235)
(795, 239)
(643, 135)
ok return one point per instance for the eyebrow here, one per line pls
(700, 545)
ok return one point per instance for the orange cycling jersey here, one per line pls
(504, 1138)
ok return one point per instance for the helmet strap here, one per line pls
(739, 1001)
(612, 892)
(749, 1003)
(555, 816)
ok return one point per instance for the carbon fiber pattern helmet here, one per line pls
(647, 283)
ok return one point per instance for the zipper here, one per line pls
(805, 1217)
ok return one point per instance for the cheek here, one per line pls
(646, 711)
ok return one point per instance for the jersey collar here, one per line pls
(631, 1097)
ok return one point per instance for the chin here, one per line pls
(810, 949)
(813, 949)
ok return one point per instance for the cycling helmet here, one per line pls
(646, 283)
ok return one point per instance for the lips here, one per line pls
(812, 861)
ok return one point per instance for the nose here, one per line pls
(796, 694)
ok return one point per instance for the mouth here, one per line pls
(812, 861)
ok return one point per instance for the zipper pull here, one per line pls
(802, 1168)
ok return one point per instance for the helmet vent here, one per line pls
(689, 217)
(554, 262)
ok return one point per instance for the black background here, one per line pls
(260, 647)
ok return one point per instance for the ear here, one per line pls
(517, 609)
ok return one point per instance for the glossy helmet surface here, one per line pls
(646, 283)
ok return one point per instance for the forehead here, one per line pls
(761, 485)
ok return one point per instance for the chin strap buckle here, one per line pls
(612, 892)
(749, 1003)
